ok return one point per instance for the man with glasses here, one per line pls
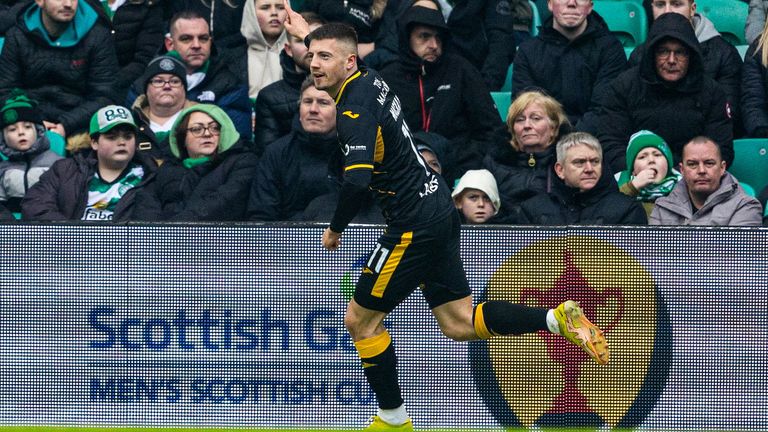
(722, 61)
(668, 93)
(573, 59)
(165, 82)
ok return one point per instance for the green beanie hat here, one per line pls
(18, 108)
(637, 142)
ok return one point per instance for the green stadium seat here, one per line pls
(749, 190)
(728, 16)
(628, 51)
(750, 163)
(742, 49)
(626, 19)
(502, 99)
(536, 21)
(507, 86)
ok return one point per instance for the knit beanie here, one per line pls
(165, 65)
(18, 108)
(481, 180)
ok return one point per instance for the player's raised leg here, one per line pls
(460, 321)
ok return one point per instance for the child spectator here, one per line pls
(477, 197)
(99, 185)
(25, 148)
(650, 174)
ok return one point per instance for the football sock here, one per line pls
(494, 318)
(379, 361)
(395, 417)
(552, 323)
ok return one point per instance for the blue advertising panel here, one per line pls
(180, 325)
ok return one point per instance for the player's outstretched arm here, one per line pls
(295, 24)
(331, 239)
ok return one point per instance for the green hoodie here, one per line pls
(82, 23)
(229, 135)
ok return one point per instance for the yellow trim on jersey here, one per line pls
(358, 166)
(373, 346)
(341, 90)
(378, 154)
(389, 267)
(479, 322)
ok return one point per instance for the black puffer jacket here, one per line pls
(277, 104)
(483, 33)
(754, 94)
(639, 99)
(70, 83)
(138, 35)
(62, 192)
(519, 176)
(576, 72)
(215, 191)
(564, 205)
(455, 99)
(292, 172)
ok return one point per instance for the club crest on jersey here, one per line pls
(350, 114)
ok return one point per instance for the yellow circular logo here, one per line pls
(542, 379)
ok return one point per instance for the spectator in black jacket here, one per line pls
(278, 103)
(522, 164)
(722, 61)
(294, 169)
(100, 185)
(63, 56)
(155, 111)
(210, 177)
(442, 93)
(138, 34)
(583, 192)
(224, 17)
(483, 33)
(573, 59)
(668, 93)
(754, 88)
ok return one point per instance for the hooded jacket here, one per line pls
(263, 59)
(22, 170)
(447, 97)
(277, 105)
(292, 172)
(212, 190)
(564, 205)
(677, 111)
(722, 61)
(70, 77)
(62, 192)
(727, 206)
(576, 72)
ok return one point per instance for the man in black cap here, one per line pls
(165, 83)
(442, 92)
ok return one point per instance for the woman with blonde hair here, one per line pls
(522, 165)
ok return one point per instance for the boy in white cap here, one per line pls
(98, 185)
(476, 196)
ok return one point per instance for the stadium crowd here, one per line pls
(205, 110)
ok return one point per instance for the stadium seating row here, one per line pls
(750, 164)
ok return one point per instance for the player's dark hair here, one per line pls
(337, 31)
